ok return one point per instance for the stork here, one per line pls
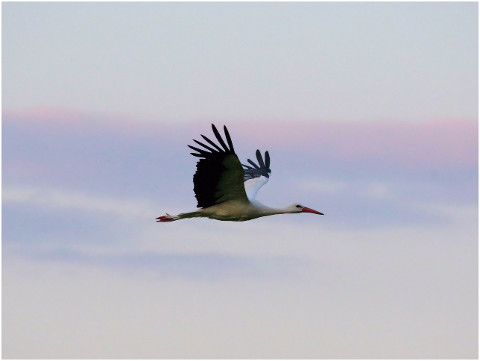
(224, 190)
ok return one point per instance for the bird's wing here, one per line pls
(219, 176)
(256, 176)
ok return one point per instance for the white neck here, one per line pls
(267, 211)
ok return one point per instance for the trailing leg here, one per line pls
(170, 218)
(167, 218)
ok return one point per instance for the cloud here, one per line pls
(189, 266)
(369, 174)
(68, 200)
(390, 271)
(88, 273)
(444, 142)
(365, 294)
(440, 142)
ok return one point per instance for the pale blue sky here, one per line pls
(390, 271)
(369, 112)
(243, 61)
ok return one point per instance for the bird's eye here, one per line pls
(298, 206)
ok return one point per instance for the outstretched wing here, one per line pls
(256, 176)
(219, 176)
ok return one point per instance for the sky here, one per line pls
(370, 114)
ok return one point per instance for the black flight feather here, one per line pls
(205, 146)
(202, 152)
(252, 163)
(212, 143)
(229, 140)
(212, 169)
(219, 138)
(259, 158)
(263, 169)
(267, 159)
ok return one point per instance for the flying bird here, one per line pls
(225, 189)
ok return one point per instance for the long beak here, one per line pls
(309, 210)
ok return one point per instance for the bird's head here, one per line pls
(298, 208)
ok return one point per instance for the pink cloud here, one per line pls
(367, 160)
(446, 142)
(433, 143)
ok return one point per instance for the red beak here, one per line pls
(309, 210)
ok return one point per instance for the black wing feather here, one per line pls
(201, 152)
(252, 163)
(259, 158)
(219, 176)
(212, 143)
(229, 140)
(219, 138)
(205, 146)
(267, 159)
(263, 169)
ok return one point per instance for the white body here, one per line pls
(224, 190)
(237, 211)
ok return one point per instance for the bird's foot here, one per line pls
(167, 218)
